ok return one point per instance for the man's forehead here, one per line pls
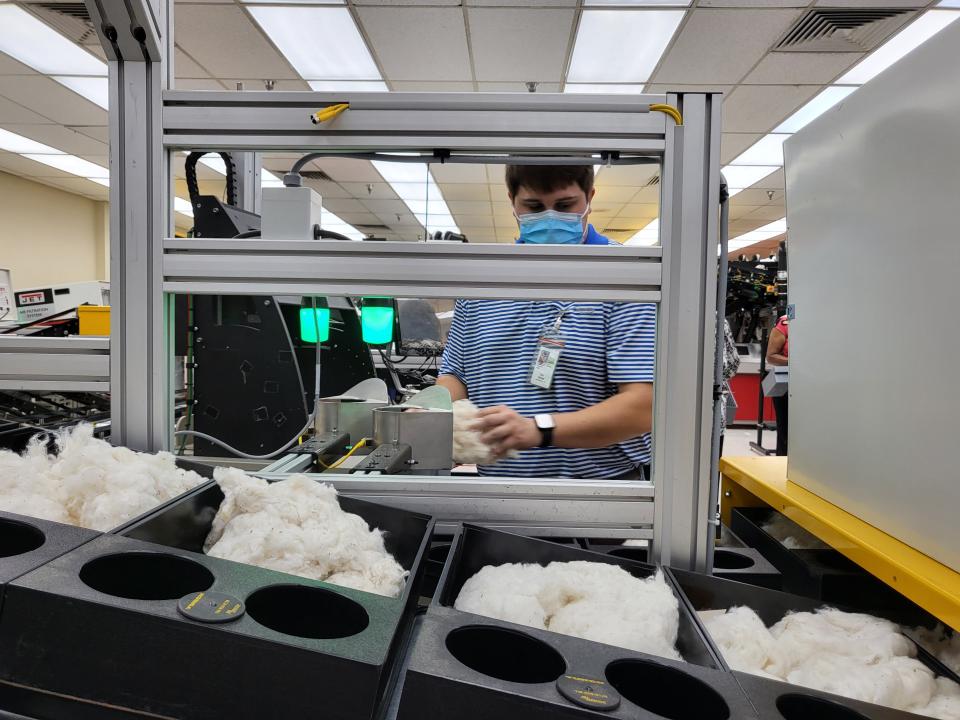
(572, 191)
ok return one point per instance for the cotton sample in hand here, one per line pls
(88, 482)
(468, 446)
(850, 654)
(297, 526)
(593, 601)
(791, 535)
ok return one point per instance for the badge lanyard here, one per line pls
(545, 360)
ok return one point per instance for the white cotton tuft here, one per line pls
(468, 447)
(944, 644)
(89, 482)
(297, 526)
(594, 601)
(849, 654)
(791, 535)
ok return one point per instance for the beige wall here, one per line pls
(49, 236)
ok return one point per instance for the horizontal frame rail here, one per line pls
(69, 364)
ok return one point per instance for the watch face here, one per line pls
(545, 422)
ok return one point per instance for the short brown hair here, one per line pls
(547, 178)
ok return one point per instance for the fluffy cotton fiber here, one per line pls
(594, 601)
(468, 447)
(849, 654)
(793, 536)
(88, 482)
(296, 526)
(943, 643)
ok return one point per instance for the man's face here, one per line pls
(568, 199)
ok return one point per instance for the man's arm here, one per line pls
(458, 391)
(626, 415)
(775, 347)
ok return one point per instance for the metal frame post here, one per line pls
(249, 167)
(685, 337)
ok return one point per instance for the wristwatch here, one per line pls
(546, 425)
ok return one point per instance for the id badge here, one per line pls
(545, 362)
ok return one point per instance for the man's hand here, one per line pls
(504, 430)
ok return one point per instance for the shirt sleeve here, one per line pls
(452, 362)
(631, 342)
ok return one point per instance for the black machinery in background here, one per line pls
(250, 378)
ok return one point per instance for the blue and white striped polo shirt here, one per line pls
(491, 348)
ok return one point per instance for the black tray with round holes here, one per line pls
(824, 574)
(470, 667)
(780, 701)
(26, 543)
(102, 623)
(475, 547)
(703, 592)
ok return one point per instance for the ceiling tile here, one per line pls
(344, 205)
(453, 172)
(369, 191)
(97, 132)
(326, 189)
(80, 186)
(348, 170)
(395, 3)
(11, 112)
(771, 212)
(185, 67)
(721, 46)
(257, 84)
(660, 89)
(732, 144)
(61, 138)
(773, 181)
(28, 168)
(466, 191)
(519, 86)
(197, 84)
(524, 3)
(52, 100)
(425, 86)
(755, 197)
(469, 207)
(214, 36)
(386, 207)
(787, 68)
(753, 3)
(760, 108)
(9, 66)
(520, 44)
(614, 193)
(874, 3)
(632, 176)
(445, 41)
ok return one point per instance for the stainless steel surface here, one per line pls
(428, 432)
(404, 269)
(64, 364)
(872, 188)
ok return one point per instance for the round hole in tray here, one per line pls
(307, 612)
(631, 553)
(438, 553)
(146, 576)
(666, 691)
(803, 707)
(506, 654)
(728, 560)
(17, 538)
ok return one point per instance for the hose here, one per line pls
(240, 453)
(668, 110)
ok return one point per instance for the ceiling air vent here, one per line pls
(843, 29)
(652, 182)
(315, 175)
(67, 18)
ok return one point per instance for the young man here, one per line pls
(567, 386)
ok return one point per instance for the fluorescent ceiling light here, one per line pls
(740, 177)
(100, 181)
(320, 42)
(621, 45)
(912, 36)
(182, 206)
(611, 88)
(815, 108)
(770, 230)
(767, 150)
(414, 184)
(349, 86)
(71, 164)
(950, 3)
(330, 221)
(36, 44)
(297, 2)
(11, 142)
(650, 235)
(94, 89)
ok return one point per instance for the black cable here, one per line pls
(247, 234)
(330, 235)
(193, 187)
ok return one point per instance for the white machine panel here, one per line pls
(872, 213)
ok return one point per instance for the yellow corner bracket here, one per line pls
(328, 113)
(668, 110)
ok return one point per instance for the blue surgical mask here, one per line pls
(552, 227)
